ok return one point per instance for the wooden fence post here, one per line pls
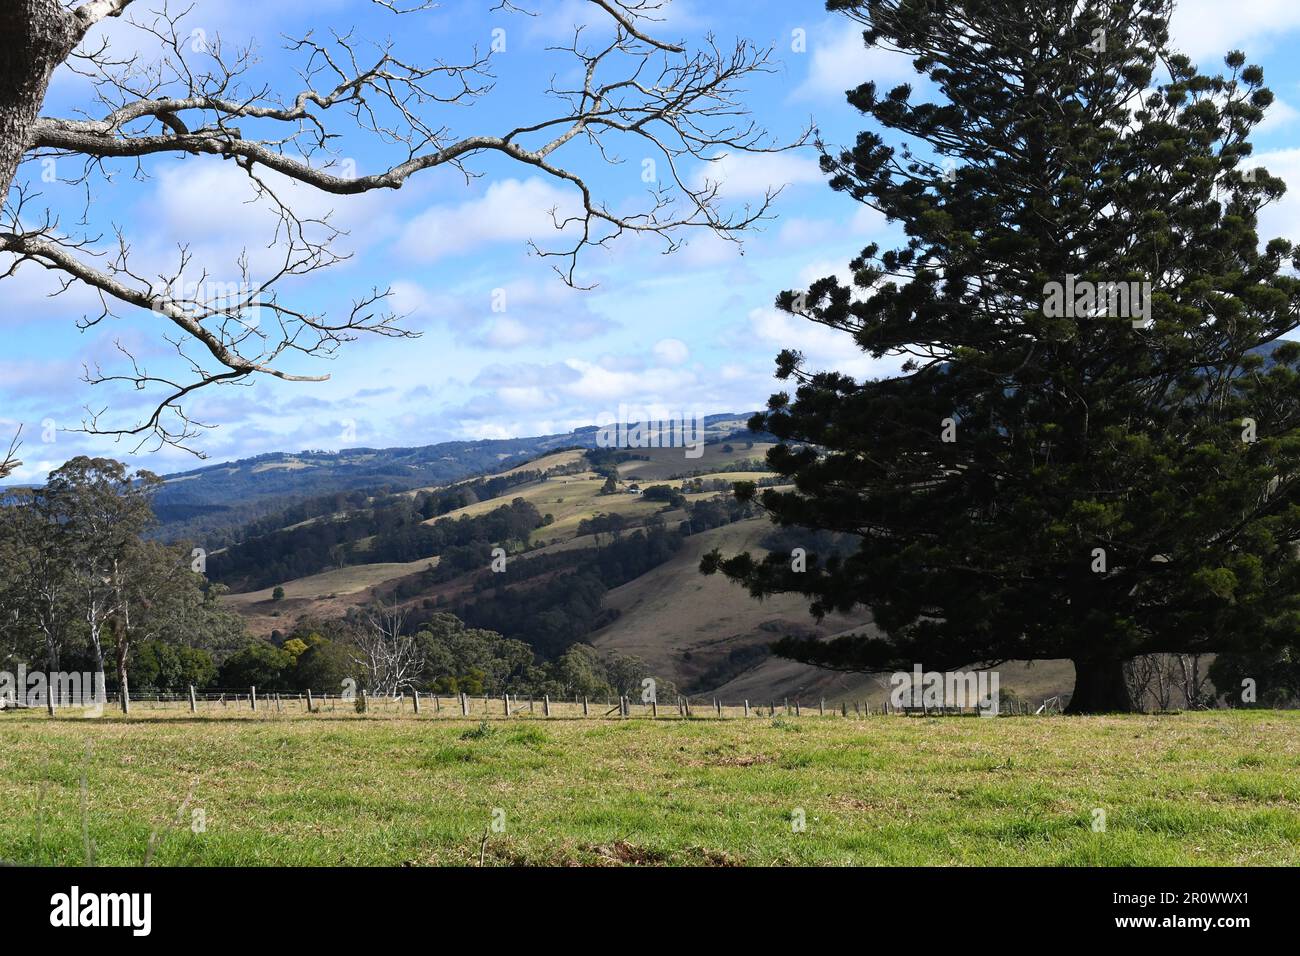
(717, 706)
(746, 706)
(844, 708)
(464, 704)
(311, 707)
(821, 708)
(194, 704)
(654, 707)
(415, 697)
(505, 704)
(365, 701)
(252, 697)
(546, 705)
(796, 706)
(437, 703)
(771, 708)
(584, 706)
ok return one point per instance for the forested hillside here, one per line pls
(209, 504)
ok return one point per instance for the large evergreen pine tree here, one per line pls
(1051, 476)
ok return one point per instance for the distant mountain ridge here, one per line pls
(208, 502)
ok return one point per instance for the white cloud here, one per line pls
(212, 209)
(1278, 115)
(868, 221)
(510, 211)
(32, 295)
(702, 249)
(514, 315)
(671, 351)
(824, 349)
(557, 20)
(822, 268)
(1281, 218)
(805, 233)
(599, 384)
(841, 61)
(1207, 29)
(751, 175)
(540, 399)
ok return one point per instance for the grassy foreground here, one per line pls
(1208, 788)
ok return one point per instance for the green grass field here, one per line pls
(1210, 788)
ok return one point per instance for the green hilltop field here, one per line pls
(1218, 788)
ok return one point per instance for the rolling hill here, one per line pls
(211, 502)
(704, 634)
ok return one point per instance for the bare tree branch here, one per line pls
(390, 659)
(10, 461)
(88, 14)
(680, 107)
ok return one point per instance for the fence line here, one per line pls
(218, 702)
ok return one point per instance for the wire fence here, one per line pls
(251, 702)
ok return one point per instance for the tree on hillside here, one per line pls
(1069, 465)
(257, 664)
(35, 576)
(325, 665)
(578, 672)
(170, 667)
(198, 97)
(76, 574)
(455, 656)
(96, 511)
(166, 603)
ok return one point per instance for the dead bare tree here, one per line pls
(10, 460)
(196, 99)
(391, 660)
(1140, 674)
(1162, 681)
(1191, 680)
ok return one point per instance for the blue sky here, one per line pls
(694, 331)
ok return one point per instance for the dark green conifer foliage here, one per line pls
(1112, 489)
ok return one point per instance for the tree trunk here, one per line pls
(51, 653)
(1100, 688)
(35, 37)
(123, 693)
(98, 647)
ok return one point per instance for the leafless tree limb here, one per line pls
(680, 106)
(9, 463)
(391, 660)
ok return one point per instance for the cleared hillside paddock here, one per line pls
(285, 787)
